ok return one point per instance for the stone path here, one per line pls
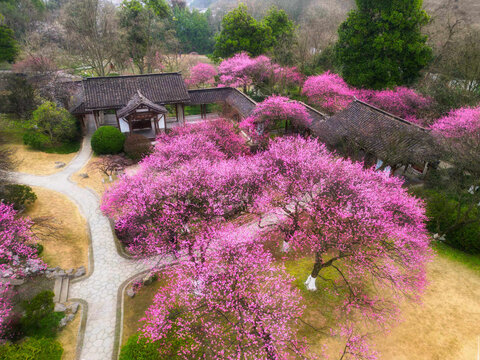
(108, 270)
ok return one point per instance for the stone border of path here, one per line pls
(81, 329)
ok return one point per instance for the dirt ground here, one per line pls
(69, 248)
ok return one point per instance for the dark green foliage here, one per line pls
(20, 196)
(241, 32)
(32, 349)
(137, 147)
(107, 140)
(193, 30)
(283, 35)
(40, 320)
(139, 349)
(20, 98)
(381, 45)
(444, 211)
(55, 122)
(8, 44)
(36, 140)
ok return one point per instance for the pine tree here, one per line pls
(381, 45)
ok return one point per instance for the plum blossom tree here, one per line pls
(461, 130)
(17, 253)
(333, 94)
(329, 91)
(202, 75)
(401, 101)
(228, 301)
(6, 309)
(243, 71)
(274, 113)
(352, 220)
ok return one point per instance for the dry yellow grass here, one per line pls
(37, 162)
(68, 337)
(69, 248)
(134, 309)
(96, 180)
(444, 327)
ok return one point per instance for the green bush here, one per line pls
(40, 320)
(137, 147)
(36, 140)
(444, 213)
(107, 140)
(55, 122)
(32, 349)
(139, 349)
(20, 196)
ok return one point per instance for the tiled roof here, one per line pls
(138, 100)
(373, 130)
(114, 92)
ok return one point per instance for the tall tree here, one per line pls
(92, 33)
(283, 35)
(241, 32)
(193, 30)
(381, 45)
(140, 19)
(8, 44)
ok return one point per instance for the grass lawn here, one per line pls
(33, 161)
(68, 337)
(134, 309)
(443, 327)
(69, 249)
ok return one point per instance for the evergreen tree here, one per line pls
(381, 45)
(241, 32)
(8, 45)
(193, 30)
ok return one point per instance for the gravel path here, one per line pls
(109, 270)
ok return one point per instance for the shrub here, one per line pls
(139, 349)
(137, 147)
(17, 195)
(32, 348)
(55, 122)
(36, 140)
(443, 213)
(40, 320)
(107, 140)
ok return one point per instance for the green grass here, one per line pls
(67, 148)
(471, 261)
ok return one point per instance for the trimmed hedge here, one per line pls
(139, 349)
(107, 140)
(137, 147)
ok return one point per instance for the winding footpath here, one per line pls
(108, 269)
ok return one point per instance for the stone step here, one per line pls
(57, 289)
(65, 287)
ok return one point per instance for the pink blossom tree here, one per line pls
(359, 223)
(329, 91)
(243, 71)
(401, 101)
(228, 301)
(275, 113)
(17, 253)
(202, 75)
(17, 257)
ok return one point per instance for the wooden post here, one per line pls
(130, 126)
(118, 121)
(176, 112)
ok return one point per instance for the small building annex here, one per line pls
(149, 104)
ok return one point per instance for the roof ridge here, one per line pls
(391, 115)
(131, 76)
(212, 88)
